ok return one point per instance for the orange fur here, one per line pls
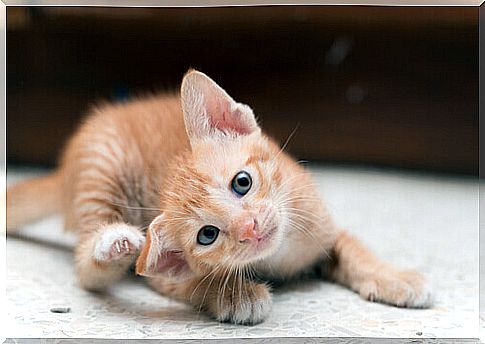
(21, 209)
(167, 163)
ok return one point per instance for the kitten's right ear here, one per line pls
(210, 111)
(160, 256)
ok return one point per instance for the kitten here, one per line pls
(226, 208)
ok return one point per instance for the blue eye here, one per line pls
(241, 183)
(207, 235)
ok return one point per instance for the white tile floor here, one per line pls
(417, 221)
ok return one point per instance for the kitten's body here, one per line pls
(121, 154)
(130, 162)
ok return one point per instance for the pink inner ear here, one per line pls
(221, 118)
(171, 262)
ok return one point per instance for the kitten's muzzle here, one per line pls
(248, 230)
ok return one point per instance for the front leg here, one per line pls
(354, 266)
(226, 298)
(104, 254)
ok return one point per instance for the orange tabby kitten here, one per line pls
(226, 209)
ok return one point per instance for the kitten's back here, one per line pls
(128, 145)
(120, 153)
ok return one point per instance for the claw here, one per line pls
(117, 244)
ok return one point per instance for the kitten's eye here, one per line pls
(241, 183)
(207, 235)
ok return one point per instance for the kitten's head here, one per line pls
(223, 204)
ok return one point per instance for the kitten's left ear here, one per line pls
(209, 110)
(161, 256)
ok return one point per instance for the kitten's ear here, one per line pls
(161, 256)
(209, 110)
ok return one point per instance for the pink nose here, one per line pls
(247, 230)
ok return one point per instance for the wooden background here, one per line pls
(393, 86)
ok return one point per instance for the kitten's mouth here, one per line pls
(264, 240)
(261, 247)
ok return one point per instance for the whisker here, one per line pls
(310, 235)
(132, 207)
(207, 289)
(200, 282)
(222, 290)
(288, 139)
(303, 213)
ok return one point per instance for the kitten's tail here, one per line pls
(32, 200)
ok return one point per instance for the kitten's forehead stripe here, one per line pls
(258, 153)
(214, 210)
(190, 191)
(255, 158)
(264, 185)
(276, 177)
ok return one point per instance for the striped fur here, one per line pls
(166, 163)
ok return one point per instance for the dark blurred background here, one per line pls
(386, 86)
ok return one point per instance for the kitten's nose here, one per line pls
(247, 230)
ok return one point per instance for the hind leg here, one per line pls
(104, 256)
(357, 268)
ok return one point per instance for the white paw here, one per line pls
(423, 296)
(250, 313)
(404, 289)
(117, 241)
(251, 309)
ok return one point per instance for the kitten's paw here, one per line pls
(250, 307)
(401, 289)
(118, 241)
